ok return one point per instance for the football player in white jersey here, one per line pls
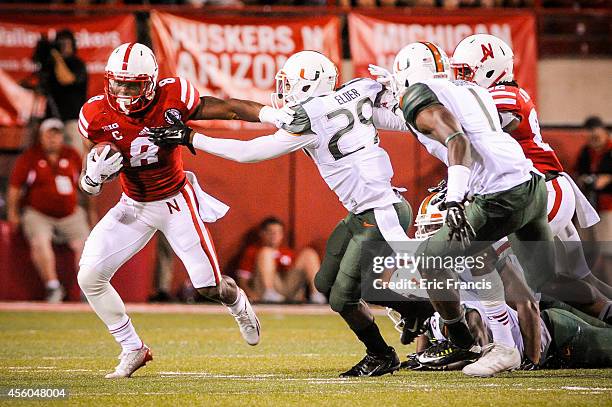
(458, 122)
(335, 128)
(569, 338)
(489, 288)
(488, 61)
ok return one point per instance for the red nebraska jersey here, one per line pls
(150, 173)
(516, 100)
(246, 269)
(50, 188)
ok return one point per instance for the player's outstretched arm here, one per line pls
(255, 150)
(212, 108)
(244, 151)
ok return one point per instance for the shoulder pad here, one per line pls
(369, 85)
(94, 107)
(301, 121)
(180, 92)
(416, 98)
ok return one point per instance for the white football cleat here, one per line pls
(131, 362)
(499, 358)
(248, 322)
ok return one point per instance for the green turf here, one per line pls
(201, 360)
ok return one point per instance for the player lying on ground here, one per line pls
(570, 338)
(157, 193)
(489, 62)
(504, 355)
(458, 123)
(334, 127)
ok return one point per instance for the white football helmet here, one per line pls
(430, 218)
(420, 61)
(483, 59)
(305, 74)
(130, 78)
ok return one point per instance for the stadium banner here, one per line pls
(231, 56)
(376, 38)
(96, 37)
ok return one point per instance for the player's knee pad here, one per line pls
(91, 280)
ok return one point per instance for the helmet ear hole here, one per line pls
(305, 88)
(490, 74)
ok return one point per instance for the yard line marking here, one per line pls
(176, 308)
(586, 388)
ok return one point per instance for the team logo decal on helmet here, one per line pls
(305, 74)
(483, 59)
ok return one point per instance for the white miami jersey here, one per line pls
(498, 160)
(435, 328)
(346, 150)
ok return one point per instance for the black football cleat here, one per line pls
(412, 362)
(375, 364)
(445, 353)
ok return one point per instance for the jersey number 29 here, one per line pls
(333, 142)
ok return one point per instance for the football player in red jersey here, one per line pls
(489, 62)
(157, 193)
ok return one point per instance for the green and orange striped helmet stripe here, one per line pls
(436, 54)
(425, 203)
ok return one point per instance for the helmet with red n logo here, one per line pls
(483, 59)
(130, 78)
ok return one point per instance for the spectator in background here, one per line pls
(595, 177)
(63, 80)
(47, 175)
(271, 272)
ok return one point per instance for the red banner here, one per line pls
(377, 39)
(237, 56)
(96, 37)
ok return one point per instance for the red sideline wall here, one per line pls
(253, 192)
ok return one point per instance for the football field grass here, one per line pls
(200, 359)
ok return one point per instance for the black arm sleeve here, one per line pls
(416, 98)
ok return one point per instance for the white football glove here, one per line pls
(100, 167)
(277, 117)
(384, 77)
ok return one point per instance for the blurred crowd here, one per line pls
(448, 4)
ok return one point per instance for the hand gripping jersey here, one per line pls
(516, 101)
(150, 173)
(346, 152)
(498, 160)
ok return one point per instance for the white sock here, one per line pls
(499, 322)
(126, 335)
(239, 304)
(53, 284)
